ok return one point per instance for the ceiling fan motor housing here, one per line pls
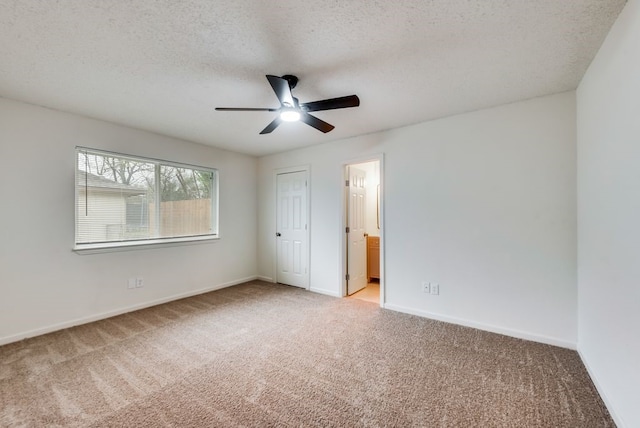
(291, 79)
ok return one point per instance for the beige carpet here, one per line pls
(263, 355)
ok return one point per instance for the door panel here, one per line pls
(356, 238)
(292, 235)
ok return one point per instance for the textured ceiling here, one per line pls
(164, 65)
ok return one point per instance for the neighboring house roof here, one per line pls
(104, 184)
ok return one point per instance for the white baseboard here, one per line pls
(325, 292)
(265, 278)
(78, 321)
(486, 327)
(603, 395)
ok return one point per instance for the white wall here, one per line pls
(483, 203)
(608, 106)
(43, 284)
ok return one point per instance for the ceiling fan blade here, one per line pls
(333, 103)
(273, 125)
(245, 109)
(320, 125)
(281, 88)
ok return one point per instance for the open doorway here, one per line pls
(363, 231)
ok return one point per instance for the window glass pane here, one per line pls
(113, 195)
(185, 205)
(122, 198)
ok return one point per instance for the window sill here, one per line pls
(108, 247)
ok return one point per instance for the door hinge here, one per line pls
(346, 183)
(347, 229)
(346, 277)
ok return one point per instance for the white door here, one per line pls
(291, 229)
(356, 235)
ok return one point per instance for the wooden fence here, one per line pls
(182, 218)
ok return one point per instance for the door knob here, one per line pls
(278, 234)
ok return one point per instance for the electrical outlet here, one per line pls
(425, 287)
(435, 288)
(139, 282)
(131, 283)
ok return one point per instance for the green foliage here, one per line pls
(179, 184)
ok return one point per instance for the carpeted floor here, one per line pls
(262, 355)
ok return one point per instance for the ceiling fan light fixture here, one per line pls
(290, 115)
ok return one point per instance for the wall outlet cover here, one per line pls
(435, 288)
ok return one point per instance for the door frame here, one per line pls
(306, 169)
(344, 192)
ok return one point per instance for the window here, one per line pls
(123, 200)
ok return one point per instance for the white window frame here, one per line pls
(89, 248)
